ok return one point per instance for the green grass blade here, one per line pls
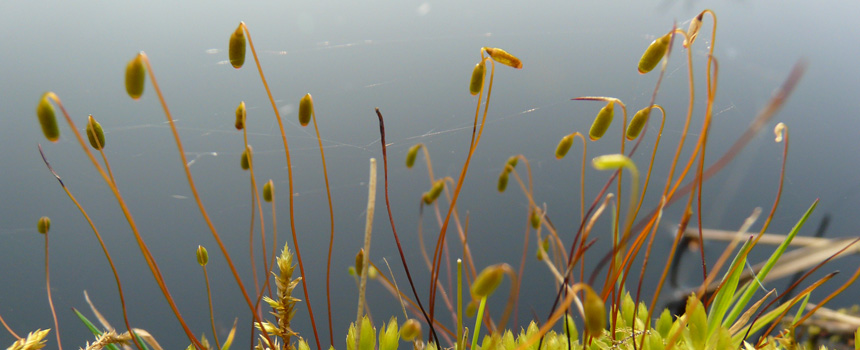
(93, 328)
(724, 296)
(751, 288)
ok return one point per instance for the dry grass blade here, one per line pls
(767, 238)
(741, 323)
(832, 321)
(96, 312)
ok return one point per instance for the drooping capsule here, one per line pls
(246, 159)
(512, 161)
(202, 255)
(435, 191)
(563, 146)
(241, 114)
(654, 53)
(487, 281)
(504, 57)
(536, 218)
(611, 162)
(359, 261)
(503, 181)
(595, 312)
(637, 123)
(48, 118)
(135, 77)
(412, 154)
(602, 121)
(44, 225)
(306, 108)
(693, 30)
(269, 191)
(476, 84)
(95, 134)
(237, 47)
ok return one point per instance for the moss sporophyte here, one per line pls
(587, 313)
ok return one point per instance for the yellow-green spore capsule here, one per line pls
(637, 123)
(503, 181)
(513, 161)
(269, 191)
(410, 330)
(654, 53)
(306, 108)
(241, 113)
(563, 146)
(602, 121)
(487, 281)
(504, 57)
(435, 191)
(595, 312)
(48, 118)
(536, 218)
(95, 134)
(246, 159)
(476, 84)
(411, 155)
(135, 77)
(44, 225)
(202, 255)
(237, 47)
(611, 162)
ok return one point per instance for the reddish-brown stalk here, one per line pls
(473, 144)
(211, 311)
(153, 266)
(98, 236)
(9, 329)
(290, 185)
(50, 300)
(429, 319)
(331, 226)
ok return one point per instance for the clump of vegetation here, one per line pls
(723, 313)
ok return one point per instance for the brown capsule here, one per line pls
(435, 191)
(135, 77)
(412, 154)
(563, 146)
(637, 123)
(487, 281)
(240, 116)
(503, 181)
(44, 225)
(595, 312)
(410, 330)
(202, 255)
(269, 191)
(654, 53)
(306, 108)
(476, 84)
(359, 262)
(246, 158)
(504, 57)
(48, 118)
(693, 30)
(602, 121)
(237, 47)
(95, 133)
